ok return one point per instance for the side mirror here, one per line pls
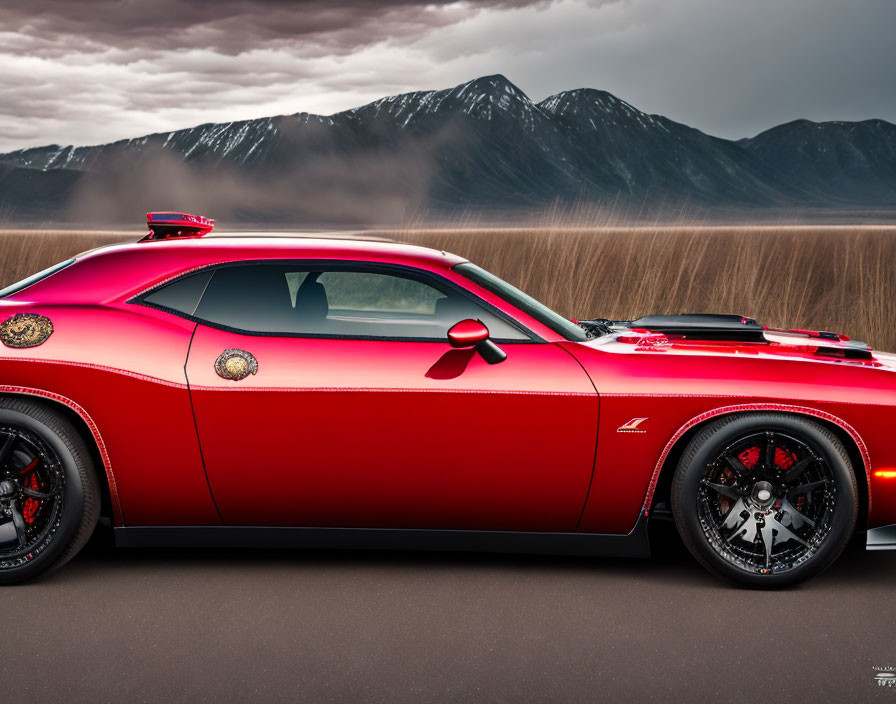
(467, 333)
(474, 333)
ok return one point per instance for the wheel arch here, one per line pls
(661, 480)
(89, 432)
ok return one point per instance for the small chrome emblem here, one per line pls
(632, 426)
(25, 330)
(235, 364)
(886, 679)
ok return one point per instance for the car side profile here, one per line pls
(283, 391)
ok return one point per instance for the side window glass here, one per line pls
(333, 301)
(378, 295)
(253, 297)
(182, 295)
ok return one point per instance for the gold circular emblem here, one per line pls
(235, 364)
(25, 330)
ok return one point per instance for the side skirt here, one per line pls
(634, 544)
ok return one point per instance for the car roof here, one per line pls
(112, 270)
(303, 245)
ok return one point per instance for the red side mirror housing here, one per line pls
(474, 333)
(467, 333)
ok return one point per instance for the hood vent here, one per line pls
(844, 353)
(700, 326)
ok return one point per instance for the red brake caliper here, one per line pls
(31, 505)
(749, 457)
(785, 460)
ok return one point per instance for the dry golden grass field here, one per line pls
(831, 278)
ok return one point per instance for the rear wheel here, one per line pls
(49, 497)
(765, 500)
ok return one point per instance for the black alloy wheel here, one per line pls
(49, 496)
(765, 500)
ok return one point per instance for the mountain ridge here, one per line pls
(483, 144)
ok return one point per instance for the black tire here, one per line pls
(70, 514)
(712, 483)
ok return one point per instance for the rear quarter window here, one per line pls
(182, 295)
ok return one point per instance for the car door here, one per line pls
(326, 394)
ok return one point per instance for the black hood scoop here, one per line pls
(695, 326)
(702, 326)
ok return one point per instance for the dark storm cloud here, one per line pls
(90, 71)
(230, 26)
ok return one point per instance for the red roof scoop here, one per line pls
(170, 225)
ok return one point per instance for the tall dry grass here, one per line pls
(841, 279)
(24, 252)
(831, 278)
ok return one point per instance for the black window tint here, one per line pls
(253, 297)
(332, 301)
(182, 295)
(294, 279)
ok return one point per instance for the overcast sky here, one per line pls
(88, 72)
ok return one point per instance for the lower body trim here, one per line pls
(633, 544)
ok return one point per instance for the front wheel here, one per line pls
(765, 500)
(49, 495)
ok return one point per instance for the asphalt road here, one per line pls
(196, 626)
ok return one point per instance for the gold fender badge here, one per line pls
(632, 426)
(25, 330)
(235, 364)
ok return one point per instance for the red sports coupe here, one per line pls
(248, 391)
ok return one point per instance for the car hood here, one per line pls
(730, 335)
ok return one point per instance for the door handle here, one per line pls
(235, 364)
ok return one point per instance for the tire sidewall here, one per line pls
(685, 491)
(73, 498)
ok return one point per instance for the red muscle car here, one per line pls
(246, 391)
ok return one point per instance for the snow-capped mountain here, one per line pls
(483, 145)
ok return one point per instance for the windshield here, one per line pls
(524, 302)
(34, 278)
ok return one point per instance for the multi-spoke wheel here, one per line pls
(765, 499)
(49, 499)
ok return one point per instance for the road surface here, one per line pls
(215, 626)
